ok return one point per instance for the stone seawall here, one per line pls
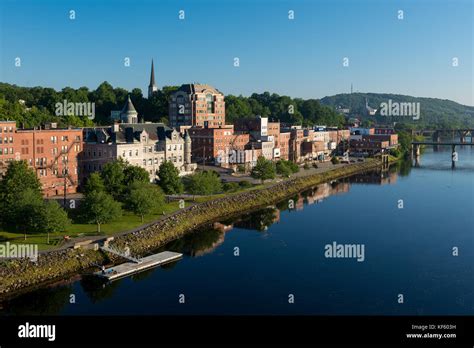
(18, 275)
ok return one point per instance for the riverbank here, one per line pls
(20, 275)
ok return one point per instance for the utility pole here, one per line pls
(204, 155)
(65, 186)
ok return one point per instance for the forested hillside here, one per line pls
(434, 113)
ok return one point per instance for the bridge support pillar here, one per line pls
(454, 156)
(416, 154)
(436, 139)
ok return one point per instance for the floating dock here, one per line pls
(130, 268)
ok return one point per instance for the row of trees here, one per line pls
(40, 105)
(283, 108)
(119, 185)
(266, 170)
(40, 102)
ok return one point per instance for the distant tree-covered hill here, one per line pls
(434, 113)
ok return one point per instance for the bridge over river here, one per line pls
(458, 137)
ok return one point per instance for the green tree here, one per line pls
(94, 184)
(135, 174)
(205, 183)
(17, 180)
(292, 165)
(169, 180)
(26, 212)
(100, 208)
(53, 218)
(283, 169)
(264, 169)
(113, 176)
(144, 198)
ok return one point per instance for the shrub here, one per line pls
(231, 186)
(245, 184)
(334, 160)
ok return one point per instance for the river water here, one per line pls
(415, 225)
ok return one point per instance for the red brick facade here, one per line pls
(50, 152)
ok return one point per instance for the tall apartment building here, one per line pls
(197, 105)
(52, 152)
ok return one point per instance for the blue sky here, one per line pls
(300, 57)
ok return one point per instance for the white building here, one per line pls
(146, 145)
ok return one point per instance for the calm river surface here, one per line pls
(281, 251)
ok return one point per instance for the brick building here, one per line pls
(384, 130)
(264, 135)
(52, 152)
(197, 105)
(283, 143)
(369, 146)
(391, 138)
(221, 146)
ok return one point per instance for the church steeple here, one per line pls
(152, 87)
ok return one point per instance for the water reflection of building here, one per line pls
(203, 250)
(259, 220)
(322, 191)
(380, 178)
(198, 243)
